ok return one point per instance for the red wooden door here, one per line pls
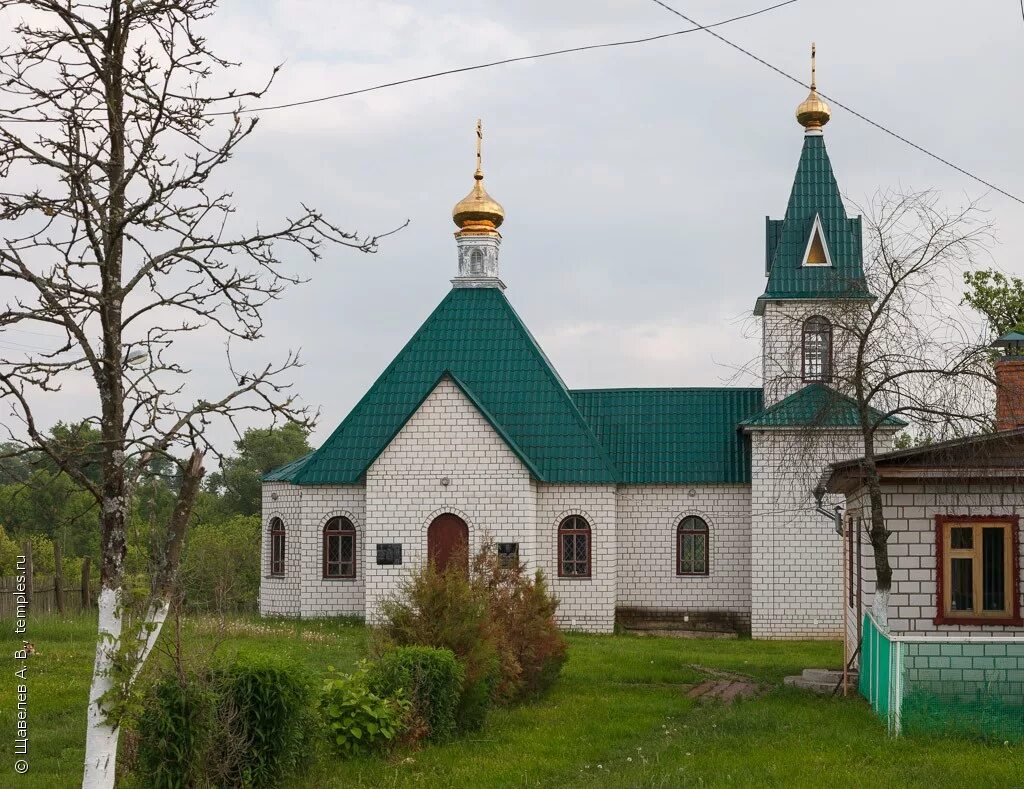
(448, 539)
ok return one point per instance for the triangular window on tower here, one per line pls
(816, 253)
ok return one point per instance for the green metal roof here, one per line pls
(475, 337)
(288, 470)
(815, 194)
(816, 405)
(673, 435)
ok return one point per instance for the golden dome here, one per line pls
(478, 213)
(813, 112)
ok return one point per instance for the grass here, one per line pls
(618, 717)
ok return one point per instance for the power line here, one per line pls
(846, 107)
(519, 59)
(463, 69)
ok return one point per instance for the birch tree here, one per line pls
(119, 241)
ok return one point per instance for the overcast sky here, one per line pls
(635, 180)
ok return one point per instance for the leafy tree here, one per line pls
(998, 297)
(221, 566)
(53, 505)
(259, 451)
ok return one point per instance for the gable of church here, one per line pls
(475, 337)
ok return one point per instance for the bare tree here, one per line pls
(122, 243)
(911, 353)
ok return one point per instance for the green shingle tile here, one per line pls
(816, 405)
(815, 193)
(475, 337)
(673, 435)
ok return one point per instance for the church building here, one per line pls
(692, 506)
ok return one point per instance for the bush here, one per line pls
(265, 713)
(499, 622)
(532, 648)
(431, 679)
(447, 611)
(241, 725)
(361, 722)
(220, 570)
(172, 730)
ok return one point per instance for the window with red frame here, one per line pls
(978, 570)
(574, 548)
(339, 548)
(692, 546)
(276, 546)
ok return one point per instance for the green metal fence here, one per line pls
(946, 683)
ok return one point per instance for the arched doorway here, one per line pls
(447, 538)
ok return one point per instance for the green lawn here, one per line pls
(618, 717)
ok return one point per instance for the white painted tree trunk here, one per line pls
(101, 736)
(880, 608)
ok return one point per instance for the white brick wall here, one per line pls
(648, 517)
(281, 595)
(782, 344)
(584, 603)
(910, 511)
(796, 559)
(489, 488)
(303, 591)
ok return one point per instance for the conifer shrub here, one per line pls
(430, 678)
(532, 649)
(497, 620)
(448, 610)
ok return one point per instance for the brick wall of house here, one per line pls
(910, 511)
(648, 517)
(584, 603)
(303, 591)
(488, 487)
(796, 555)
(281, 595)
(331, 596)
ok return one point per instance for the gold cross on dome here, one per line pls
(479, 144)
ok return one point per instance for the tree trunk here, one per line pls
(878, 534)
(101, 734)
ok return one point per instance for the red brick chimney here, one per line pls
(1009, 392)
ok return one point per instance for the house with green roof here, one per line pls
(686, 506)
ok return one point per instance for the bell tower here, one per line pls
(478, 217)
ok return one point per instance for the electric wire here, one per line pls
(840, 104)
(521, 58)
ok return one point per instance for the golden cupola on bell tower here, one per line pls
(813, 112)
(478, 217)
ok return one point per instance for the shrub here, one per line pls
(172, 731)
(360, 721)
(265, 716)
(532, 648)
(220, 571)
(448, 611)
(431, 679)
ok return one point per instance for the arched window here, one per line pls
(276, 546)
(817, 349)
(476, 262)
(692, 546)
(574, 548)
(339, 548)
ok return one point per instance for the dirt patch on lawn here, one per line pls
(723, 686)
